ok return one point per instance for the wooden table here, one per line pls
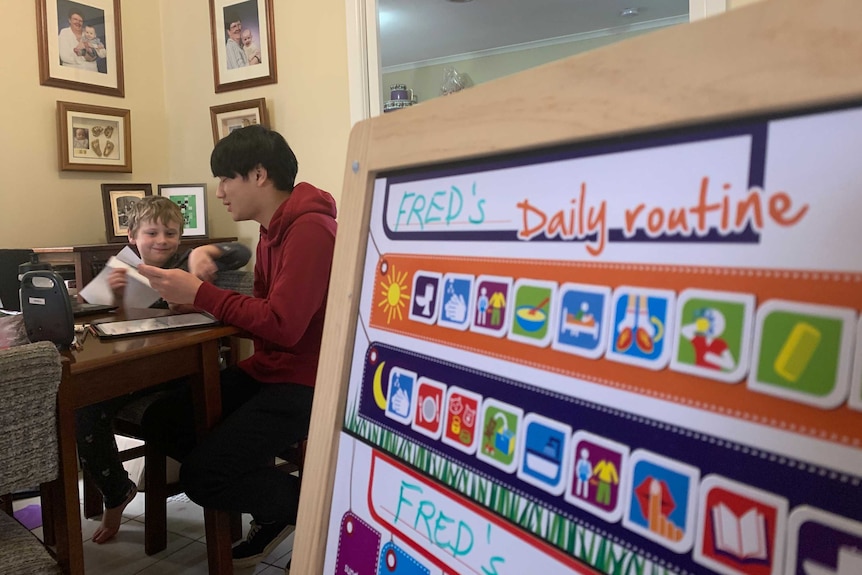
(104, 369)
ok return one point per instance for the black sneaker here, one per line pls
(261, 540)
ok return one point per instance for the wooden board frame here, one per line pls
(754, 60)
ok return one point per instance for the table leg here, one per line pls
(206, 392)
(67, 517)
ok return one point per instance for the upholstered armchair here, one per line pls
(29, 379)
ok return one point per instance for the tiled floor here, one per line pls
(186, 552)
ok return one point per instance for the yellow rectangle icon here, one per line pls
(797, 351)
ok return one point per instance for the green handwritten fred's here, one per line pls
(444, 531)
(441, 207)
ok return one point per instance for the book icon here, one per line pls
(742, 536)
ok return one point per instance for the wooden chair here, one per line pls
(29, 379)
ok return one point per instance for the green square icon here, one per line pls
(499, 434)
(803, 352)
(533, 309)
(713, 334)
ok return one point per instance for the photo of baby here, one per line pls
(252, 52)
(93, 47)
(94, 140)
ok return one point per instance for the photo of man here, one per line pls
(242, 26)
(81, 37)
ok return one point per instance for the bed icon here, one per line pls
(580, 322)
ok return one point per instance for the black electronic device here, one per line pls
(10, 282)
(46, 308)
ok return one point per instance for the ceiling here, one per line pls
(419, 30)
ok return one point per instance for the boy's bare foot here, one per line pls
(111, 519)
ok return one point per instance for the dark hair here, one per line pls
(73, 11)
(244, 149)
(230, 18)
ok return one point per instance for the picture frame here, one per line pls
(117, 199)
(228, 117)
(73, 57)
(243, 54)
(94, 138)
(192, 201)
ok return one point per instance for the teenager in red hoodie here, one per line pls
(266, 400)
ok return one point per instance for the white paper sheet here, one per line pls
(138, 292)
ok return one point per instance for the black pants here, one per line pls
(97, 449)
(231, 469)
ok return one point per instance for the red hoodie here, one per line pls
(291, 278)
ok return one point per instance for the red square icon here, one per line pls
(461, 418)
(428, 418)
(740, 528)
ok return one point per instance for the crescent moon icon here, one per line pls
(377, 387)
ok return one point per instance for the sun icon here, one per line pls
(394, 292)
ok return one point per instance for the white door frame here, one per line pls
(363, 52)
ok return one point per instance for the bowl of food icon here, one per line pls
(530, 318)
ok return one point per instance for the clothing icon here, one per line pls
(599, 468)
(482, 306)
(713, 334)
(492, 295)
(642, 325)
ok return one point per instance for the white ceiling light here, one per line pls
(629, 12)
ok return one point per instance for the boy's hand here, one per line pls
(175, 286)
(117, 281)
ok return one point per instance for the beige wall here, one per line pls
(39, 205)
(169, 89)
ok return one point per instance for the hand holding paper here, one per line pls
(137, 292)
(175, 286)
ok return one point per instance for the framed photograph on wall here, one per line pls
(229, 117)
(191, 198)
(81, 45)
(117, 202)
(243, 43)
(94, 138)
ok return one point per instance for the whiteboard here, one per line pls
(634, 348)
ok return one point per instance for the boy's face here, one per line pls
(240, 197)
(156, 242)
(246, 37)
(80, 133)
(89, 32)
